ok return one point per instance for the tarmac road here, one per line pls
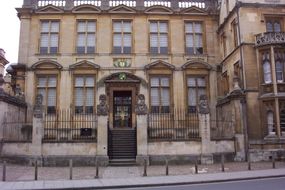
(257, 184)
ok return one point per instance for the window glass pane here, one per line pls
(163, 40)
(127, 27)
(199, 40)
(90, 40)
(164, 81)
(198, 27)
(277, 26)
(81, 40)
(192, 100)
(81, 27)
(52, 82)
(79, 97)
(154, 81)
(189, 27)
(42, 82)
(53, 40)
(79, 81)
(45, 26)
(117, 27)
(91, 26)
(201, 82)
(127, 40)
(153, 40)
(44, 40)
(279, 71)
(270, 122)
(153, 27)
(89, 81)
(267, 72)
(117, 40)
(165, 97)
(154, 93)
(269, 27)
(191, 82)
(89, 97)
(163, 27)
(189, 40)
(55, 27)
(201, 91)
(51, 97)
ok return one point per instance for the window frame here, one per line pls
(277, 53)
(235, 32)
(194, 33)
(263, 61)
(49, 33)
(84, 107)
(272, 21)
(158, 33)
(47, 76)
(160, 110)
(122, 33)
(86, 33)
(195, 76)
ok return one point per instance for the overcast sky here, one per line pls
(10, 29)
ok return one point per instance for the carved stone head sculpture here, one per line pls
(102, 107)
(38, 108)
(203, 105)
(141, 108)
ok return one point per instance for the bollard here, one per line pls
(223, 162)
(273, 160)
(166, 167)
(196, 166)
(144, 169)
(248, 162)
(70, 169)
(97, 170)
(4, 171)
(36, 170)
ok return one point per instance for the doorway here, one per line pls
(122, 109)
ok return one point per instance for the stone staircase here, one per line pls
(122, 147)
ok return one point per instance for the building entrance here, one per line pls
(122, 109)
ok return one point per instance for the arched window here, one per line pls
(270, 122)
(279, 71)
(266, 68)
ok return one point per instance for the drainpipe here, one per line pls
(243, 102)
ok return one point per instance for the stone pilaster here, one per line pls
(204, 124)
(102, 140)
(141, 139)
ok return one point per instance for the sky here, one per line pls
(10, 29)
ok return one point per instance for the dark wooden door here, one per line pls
(122, 109)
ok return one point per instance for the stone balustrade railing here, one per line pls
(270, 38)
(175, 4)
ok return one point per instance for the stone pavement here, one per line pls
(20, 177)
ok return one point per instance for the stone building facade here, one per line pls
(176, 79)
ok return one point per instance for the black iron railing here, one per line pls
(176, 126)
(65, 126)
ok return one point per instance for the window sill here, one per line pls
(84, 54)
(48, 54)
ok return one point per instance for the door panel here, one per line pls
(122, 109)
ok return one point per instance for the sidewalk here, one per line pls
(118, 177)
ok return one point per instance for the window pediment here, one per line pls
(196, 64)
(86, 9)
(159, 64)
(46, 64)
(50, 9)
(158, 9)
(122, 9)
(194, 11)
(84, 65)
